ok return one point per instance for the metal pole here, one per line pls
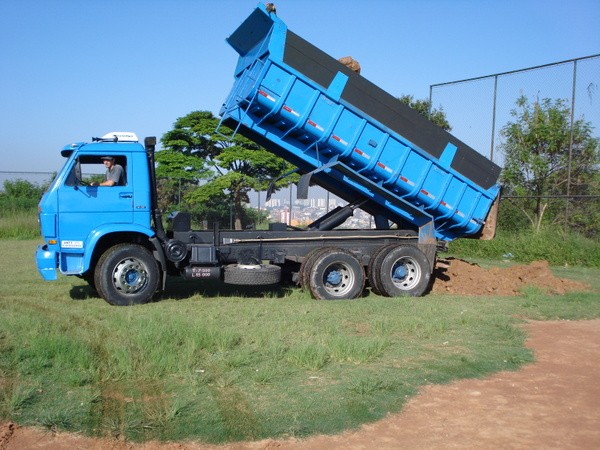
(571, 139)
(290, 216)
(430, 101)
(259, 216)
(494, 118)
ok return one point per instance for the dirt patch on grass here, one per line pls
(457, 276)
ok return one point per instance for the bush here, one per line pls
(23, 189)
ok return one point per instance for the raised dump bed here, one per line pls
(353, 138)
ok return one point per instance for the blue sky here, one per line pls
(73, 69)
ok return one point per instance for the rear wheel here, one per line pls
(336, 274)
(127, 274)
(373, 268)
(306, 266)
(404, 271)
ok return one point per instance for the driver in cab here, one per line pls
(115, 176)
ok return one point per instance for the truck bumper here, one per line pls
(46, 261)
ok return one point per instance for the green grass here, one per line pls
(18, 223)
(220, 364)
(556, 247)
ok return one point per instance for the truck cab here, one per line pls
(78, 217)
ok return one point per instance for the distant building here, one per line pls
(273, 203)
(284, 216)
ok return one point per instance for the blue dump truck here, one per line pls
(422, 186)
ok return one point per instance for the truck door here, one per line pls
(84, 207)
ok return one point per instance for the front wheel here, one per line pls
(127, 274)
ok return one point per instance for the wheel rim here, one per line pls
(338, 279)
(405, 273)
(130, 276)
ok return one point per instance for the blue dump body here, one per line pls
(354, 139)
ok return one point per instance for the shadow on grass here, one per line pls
(180, 289)
(83, 292)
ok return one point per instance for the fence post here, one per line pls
(567, 212)
(430, 101)
(494, 118)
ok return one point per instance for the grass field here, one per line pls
(218, 365)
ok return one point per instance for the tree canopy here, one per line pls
(544, 157)
(220, 168)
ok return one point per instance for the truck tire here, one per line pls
(372, 272)
(404, 271)
(127, 274)
(336, 274)
(255, 275)
(306, 267)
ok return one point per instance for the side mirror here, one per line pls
(75, 178)
(77, 170)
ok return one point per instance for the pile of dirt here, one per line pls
(456, 276)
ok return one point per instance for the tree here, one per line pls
(537, 156)
(176, 174)
(437, 116)
(233, 165)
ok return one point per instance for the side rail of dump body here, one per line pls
(353, 138)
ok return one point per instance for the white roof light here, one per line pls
(120, 136)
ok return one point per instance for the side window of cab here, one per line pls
(102, 171)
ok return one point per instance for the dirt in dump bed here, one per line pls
(457, 276)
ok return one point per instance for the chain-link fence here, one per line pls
(37, 178)
(479, 108)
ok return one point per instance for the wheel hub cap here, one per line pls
(130, 276)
